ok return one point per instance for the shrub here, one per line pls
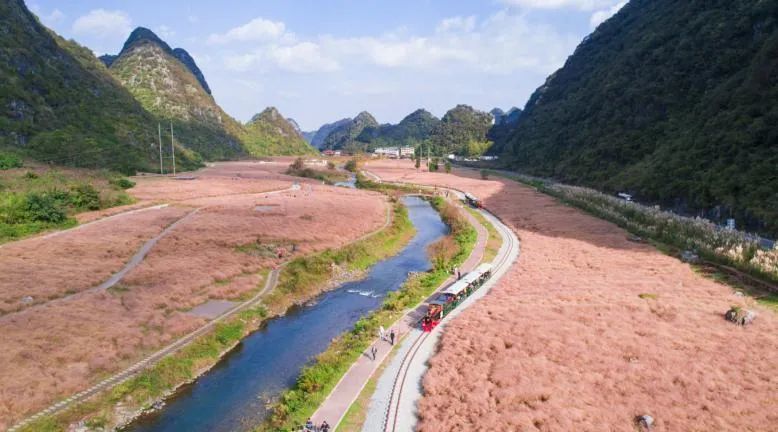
(484, 174)
(8, 161)
(297, 165)
(123, 182)
(448, 166)
(331, 165)
(30, 175)
(351, 165)
(44, 208)
(85, 196)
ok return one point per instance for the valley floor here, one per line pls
(589, 330)
(62, 330)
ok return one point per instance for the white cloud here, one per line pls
(55, 17)
(302, 57)
(503, 43)
(165, 31)
(103, 23)
(457, 24)
(601, 15)
(256, 30)
(560, 4)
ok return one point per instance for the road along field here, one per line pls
(589, 331)
(231, 229)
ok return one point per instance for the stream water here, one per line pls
(233, 396)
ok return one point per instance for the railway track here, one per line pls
(506, 257)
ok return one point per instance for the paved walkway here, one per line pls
(351, 384)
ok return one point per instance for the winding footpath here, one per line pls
(174, 347)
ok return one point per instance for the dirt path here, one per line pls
(353, 381)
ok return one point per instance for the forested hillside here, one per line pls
(345, 134)
(168, 88)
(462, 131)
(412, 131)
(271, 133)
(674, 101)
(61, 105)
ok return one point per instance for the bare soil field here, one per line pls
(53, 350)
(588, 331)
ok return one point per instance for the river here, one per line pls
(233, 396)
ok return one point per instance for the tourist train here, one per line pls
(472, 200)
(448, 299)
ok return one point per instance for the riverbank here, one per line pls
(144, 391)
(317, 381)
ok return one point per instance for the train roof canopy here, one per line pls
(484, 268)
(457, 287)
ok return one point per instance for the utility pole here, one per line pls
(159, 130)
(172, 147)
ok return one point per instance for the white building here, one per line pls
(394, 152)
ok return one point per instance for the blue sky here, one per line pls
(319, 61)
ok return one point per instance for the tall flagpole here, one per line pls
(159, 130)
(172, 147)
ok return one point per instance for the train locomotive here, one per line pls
(448, 299)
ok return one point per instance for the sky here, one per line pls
(320, 61)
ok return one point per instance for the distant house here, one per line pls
(330, 152)
(394, 152)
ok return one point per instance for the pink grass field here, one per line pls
(55, 349)
(564, 342)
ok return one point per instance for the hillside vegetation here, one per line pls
(60, 104)
(166, 87)
(270, 133)
(675, 102)
(462, 130)
(36, 198)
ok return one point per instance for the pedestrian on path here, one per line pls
(374, 351)
(391, 336)
(382, 333)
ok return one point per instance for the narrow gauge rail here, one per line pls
(393, 406)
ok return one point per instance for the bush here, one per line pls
(123, 182)
(8, 161)
(484, 174)
(30, 175)
(297, 165)
(44, 208)
(351, 165)
(331, 165)
(85, 196)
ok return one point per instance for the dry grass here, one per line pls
(49, 267)
(565, 341)
(54, 350)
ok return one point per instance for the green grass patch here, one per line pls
(316, 381)
(648, 296)
(495, 240)
(33, 201)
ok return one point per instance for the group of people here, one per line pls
(384, 336)
(310, 427)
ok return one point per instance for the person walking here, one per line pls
(382, 333)
(391, 336)
(374, 351)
